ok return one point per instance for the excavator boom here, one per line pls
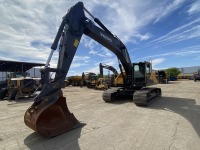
(101, 66)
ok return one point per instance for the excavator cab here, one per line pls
(143, 74)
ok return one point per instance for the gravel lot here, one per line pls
(171, 122)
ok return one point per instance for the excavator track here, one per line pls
(142, 97)
(110, 94)
(146, 96)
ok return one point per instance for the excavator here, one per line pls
(111, 79)
(111, 68)
(49, 115)
(116, 79)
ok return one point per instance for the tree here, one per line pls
(172, 72)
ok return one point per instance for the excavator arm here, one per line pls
(49, 115)
(101, 66)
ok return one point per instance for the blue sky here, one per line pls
(164, 32)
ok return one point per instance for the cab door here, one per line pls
(139, 78)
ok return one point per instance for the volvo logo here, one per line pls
(105, 37)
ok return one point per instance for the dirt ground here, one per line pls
(171, 122)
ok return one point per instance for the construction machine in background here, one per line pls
(91, 80)
(162, 77)
(19, 85)
(102, 84)
(74, 80)
(86, 79)
(112, 79)
(116, 78)
(111, 68)
(197, 76)
(49, 115)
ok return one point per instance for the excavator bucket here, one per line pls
(50, 119)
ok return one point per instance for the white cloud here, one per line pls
(184, 32)
(96, 49)
(194, 8)
(131, 16)
(184, 35)
(81, 58)
(76, 65)
(79, 61)
(24, 23)
(111, 62)
(143, 37)
(178, 52)
(156, 62)
(167, 9)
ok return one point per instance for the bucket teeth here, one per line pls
(50, 119)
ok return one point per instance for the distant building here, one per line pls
(187, 72)
(8, 66)
(34, 72)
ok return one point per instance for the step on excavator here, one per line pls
(49, 115)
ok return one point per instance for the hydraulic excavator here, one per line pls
(114, 79)
(111, 68)
(49, 114)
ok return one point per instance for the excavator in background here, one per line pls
(111, 68)
(91, 80)
(49, 114)
(110, 80)
(116, 79)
